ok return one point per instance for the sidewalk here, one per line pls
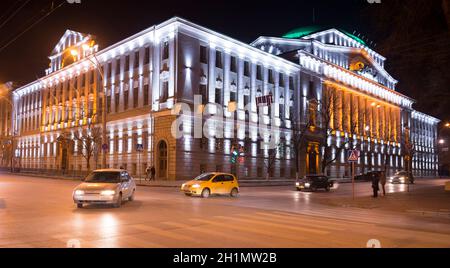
(429, 201)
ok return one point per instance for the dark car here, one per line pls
(368, 176)
(314, 182)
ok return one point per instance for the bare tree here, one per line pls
(330, 104)
(299, 134)
(65, 142)
(89, 141)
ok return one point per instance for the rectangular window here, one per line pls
(108, 104)
(165, 51)
(109, 71)
(145, 140)
(232, 96)
(203, 54)
(91, 77)
(246, 69)
(233, 65)
(147, 56)
(127, 63)
(281, 80)
(204, 93)
(146, 96)
(219, 59)
(218, 96)
(83, 80)
(136, 97)
(117, 66)
(125, 143)
(165, 91)
(136, 59)
(259, 72)
(291, 83)
(271, 77)
(116, 102)
(125, 100)
(246, 100)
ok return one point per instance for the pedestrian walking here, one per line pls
(375, 185)
(147, 173)
(383, 182)
(153, 173)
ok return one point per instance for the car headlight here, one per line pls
(297, 184)
(108, 192)
(307, 184)
(183, 185)
(403, 179)
(196, 186)
(79, 192)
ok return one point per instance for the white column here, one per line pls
(212, 73)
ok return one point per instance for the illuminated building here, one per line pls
(148, 74)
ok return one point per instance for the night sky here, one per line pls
(113, 20)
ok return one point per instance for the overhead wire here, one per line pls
(53, 9)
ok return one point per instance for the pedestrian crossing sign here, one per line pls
(353, 156)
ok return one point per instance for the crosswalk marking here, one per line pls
(213, 233)
(164, 233)
(293, 222)
(276, 225)
(251, 229)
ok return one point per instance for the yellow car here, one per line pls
(212, 184)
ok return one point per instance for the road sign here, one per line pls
(139, 147)
(353, 156)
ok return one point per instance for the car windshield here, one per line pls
(204, 177)
(401, 173)
(312, 178)
(103, 177)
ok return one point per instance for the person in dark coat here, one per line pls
(152, 173)
(383, 182)
(375, 185)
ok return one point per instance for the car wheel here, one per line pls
(118, 203)
(327, 188)
(79, 205)
(131, 198)
(205, 193)
(313, 189)
(298, 189)
(234, 192)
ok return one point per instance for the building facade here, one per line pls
(181, 97)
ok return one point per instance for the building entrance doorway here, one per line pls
(162, 161)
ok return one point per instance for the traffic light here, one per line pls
(234, 156)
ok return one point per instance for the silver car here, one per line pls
(401, 177)
(106, 186)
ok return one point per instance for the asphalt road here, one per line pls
(37, 212)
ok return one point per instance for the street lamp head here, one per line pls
(367, 128)
(85, 47)
(74, 52)
(441, 141)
